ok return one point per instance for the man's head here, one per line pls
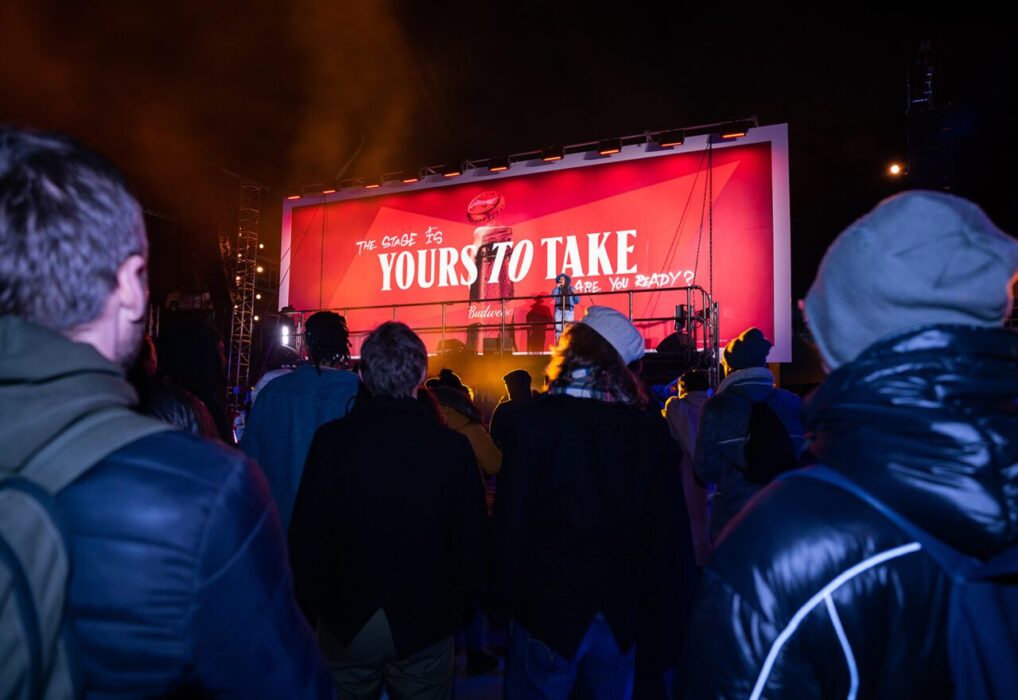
(518, 383)
(693, 380)
(918, 258)
(73, 250)
(327, 338)
(394, 361)
(750, 349)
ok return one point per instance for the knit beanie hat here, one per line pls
(919, 257)
(748, 350)
(620, 333)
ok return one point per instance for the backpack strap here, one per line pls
(86, 442)
(958, 566)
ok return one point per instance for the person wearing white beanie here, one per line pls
(833, 581)
(592, 556)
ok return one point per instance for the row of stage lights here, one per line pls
(657, 140)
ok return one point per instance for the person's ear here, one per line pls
(132, 288)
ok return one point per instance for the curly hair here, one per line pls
(581, 347)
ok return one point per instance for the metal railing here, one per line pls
(695, 318)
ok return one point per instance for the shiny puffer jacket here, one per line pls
(812, 593)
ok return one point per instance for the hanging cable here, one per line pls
(710, 230)
(321, 259)
(677, 234)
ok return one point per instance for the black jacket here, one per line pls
(589, 517)
(504, 419)
(390, 513)
(810, 583)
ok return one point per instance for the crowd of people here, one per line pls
(740, 543)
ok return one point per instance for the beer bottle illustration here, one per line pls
(484, 210)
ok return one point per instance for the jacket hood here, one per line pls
(697, 398)
(927, 421)
(753, 383)
(46, 383)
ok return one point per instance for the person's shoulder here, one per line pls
(333, 432)
(797, 536)
(544, 405)
(787, 398)
(174, 454)
(339, 377)
(163, 489)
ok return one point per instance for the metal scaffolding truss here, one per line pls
(239, 250)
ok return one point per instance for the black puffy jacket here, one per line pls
(814, 594)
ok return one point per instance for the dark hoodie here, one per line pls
(46, 384)
(179, 583)
(810, 582)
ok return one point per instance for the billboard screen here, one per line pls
(622, 227)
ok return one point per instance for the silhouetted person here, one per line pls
(683, 415)
(387, 535)
(591, 536)
(291, 407)
(506, 414)
(160, 399)
(724, 425)
(539, 317)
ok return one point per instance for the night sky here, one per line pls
(299, 91)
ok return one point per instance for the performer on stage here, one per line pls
(565, 299)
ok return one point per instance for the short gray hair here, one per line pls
(68, 221)
(394, 361)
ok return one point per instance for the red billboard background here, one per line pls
(622, 225)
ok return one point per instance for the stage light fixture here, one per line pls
(372, 183)
(329, 191)
(610, 147)
(498, 165)
(451, 171)
(258, 296)
(260, 269)
(256, 318)
(550, 155)
(261, 246)
(734, 131)
(670, 139)
(294, 196)
(895, 169)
